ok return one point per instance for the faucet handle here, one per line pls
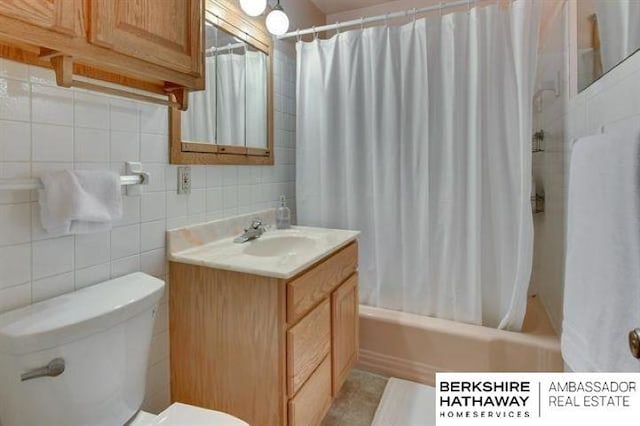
(256, 224)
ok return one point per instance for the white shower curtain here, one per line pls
(619, 29)
(419, 136)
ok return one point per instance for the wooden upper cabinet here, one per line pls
(166, 33)
(150, 45)
(61, 16)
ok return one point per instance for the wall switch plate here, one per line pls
(184, 180)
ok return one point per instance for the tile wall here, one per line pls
(615, 97)
(44, 127)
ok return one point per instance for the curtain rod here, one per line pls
(363, 21)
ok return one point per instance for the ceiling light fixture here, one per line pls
(277, 21)
(253, 7)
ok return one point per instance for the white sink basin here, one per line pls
(279, 245)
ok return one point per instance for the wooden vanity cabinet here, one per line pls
(267, 350)
(151, 45)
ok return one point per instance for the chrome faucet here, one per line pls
(254, 231)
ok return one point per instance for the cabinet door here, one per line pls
(166, 33)
(55, 15)
(344, 324)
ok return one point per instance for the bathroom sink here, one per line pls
(279, 245)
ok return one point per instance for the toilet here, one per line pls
(81, 359)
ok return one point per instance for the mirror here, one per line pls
(608, 33)
(230, 122)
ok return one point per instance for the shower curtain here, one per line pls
(619, 29)
(419, 136)
(239, 96)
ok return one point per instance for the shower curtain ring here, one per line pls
(298, 35)
(337, 27)
(441, 7)
(415, 14)
(386, 19)
(315, 33)
(362, 23)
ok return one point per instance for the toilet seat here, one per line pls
(181, 415)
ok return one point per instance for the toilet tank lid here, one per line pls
(71, 316)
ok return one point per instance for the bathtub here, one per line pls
(415, 347)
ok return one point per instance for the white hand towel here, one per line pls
(79, 202)
(602, 275)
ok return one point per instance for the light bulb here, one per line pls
(277, 21)
(253, 7)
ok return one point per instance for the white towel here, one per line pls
(79, 202)
(602, 275)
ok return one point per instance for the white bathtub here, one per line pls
(415, 347)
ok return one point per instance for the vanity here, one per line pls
(266, 330)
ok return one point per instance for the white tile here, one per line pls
(92, 275)
(125, 266)
(156, 177)
(154, 119)
(176, 205)
(124, 115)
(153, 206)
(130, 211)
(52, 143)
(154, 148)
(91, 145)
(15, 297)
(159, 350)
(92, 249)
(152, 235)
(52, 105)
(39, 75)
(15, 171)
(15, 141)
(230, 175)
(215, 200)
(244, 196)
(52, 257)
(125, 241)
(196, 203)
(91, 110)
(14, 70)
(49, 287)
(153, 263)
(230, 197)
(215, 176)
(15, 264)
(198, 177)
(15, 100)
(125, 146)
(15, 224)
(171, 177)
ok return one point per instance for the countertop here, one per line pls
(308, 246)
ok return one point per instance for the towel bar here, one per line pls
(135, 178)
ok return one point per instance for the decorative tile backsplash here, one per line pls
(44, 127)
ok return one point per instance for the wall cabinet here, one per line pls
(150, 45)
(267, 350)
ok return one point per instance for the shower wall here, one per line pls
(572, 115)
(550, 116)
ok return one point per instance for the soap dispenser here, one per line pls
(283, 215)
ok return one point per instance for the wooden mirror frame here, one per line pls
(226, 15)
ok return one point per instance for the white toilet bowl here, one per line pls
(181, 414)
(81, 358)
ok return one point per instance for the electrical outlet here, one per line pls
(184, 180)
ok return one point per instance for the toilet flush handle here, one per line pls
(53, 369)
(634, 342)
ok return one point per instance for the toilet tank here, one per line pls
(102, 333)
